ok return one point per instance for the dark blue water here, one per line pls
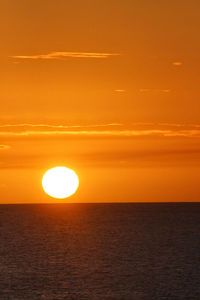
(100, 251)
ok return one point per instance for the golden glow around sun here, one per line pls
(60, 182)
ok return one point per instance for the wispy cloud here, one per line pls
(58, 126)
(63, 55)
(153, 144)
(120, 91)
(125, 133)
(101, 130)
(144, 90)
(177, 63)
(4, 147)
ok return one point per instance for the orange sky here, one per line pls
(108, 88)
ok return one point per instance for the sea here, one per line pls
(135, 251)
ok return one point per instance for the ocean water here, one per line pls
(100, 251)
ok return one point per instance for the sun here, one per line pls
(60, 182)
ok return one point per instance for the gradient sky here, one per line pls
(108, 88)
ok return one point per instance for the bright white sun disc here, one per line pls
(60, 182)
